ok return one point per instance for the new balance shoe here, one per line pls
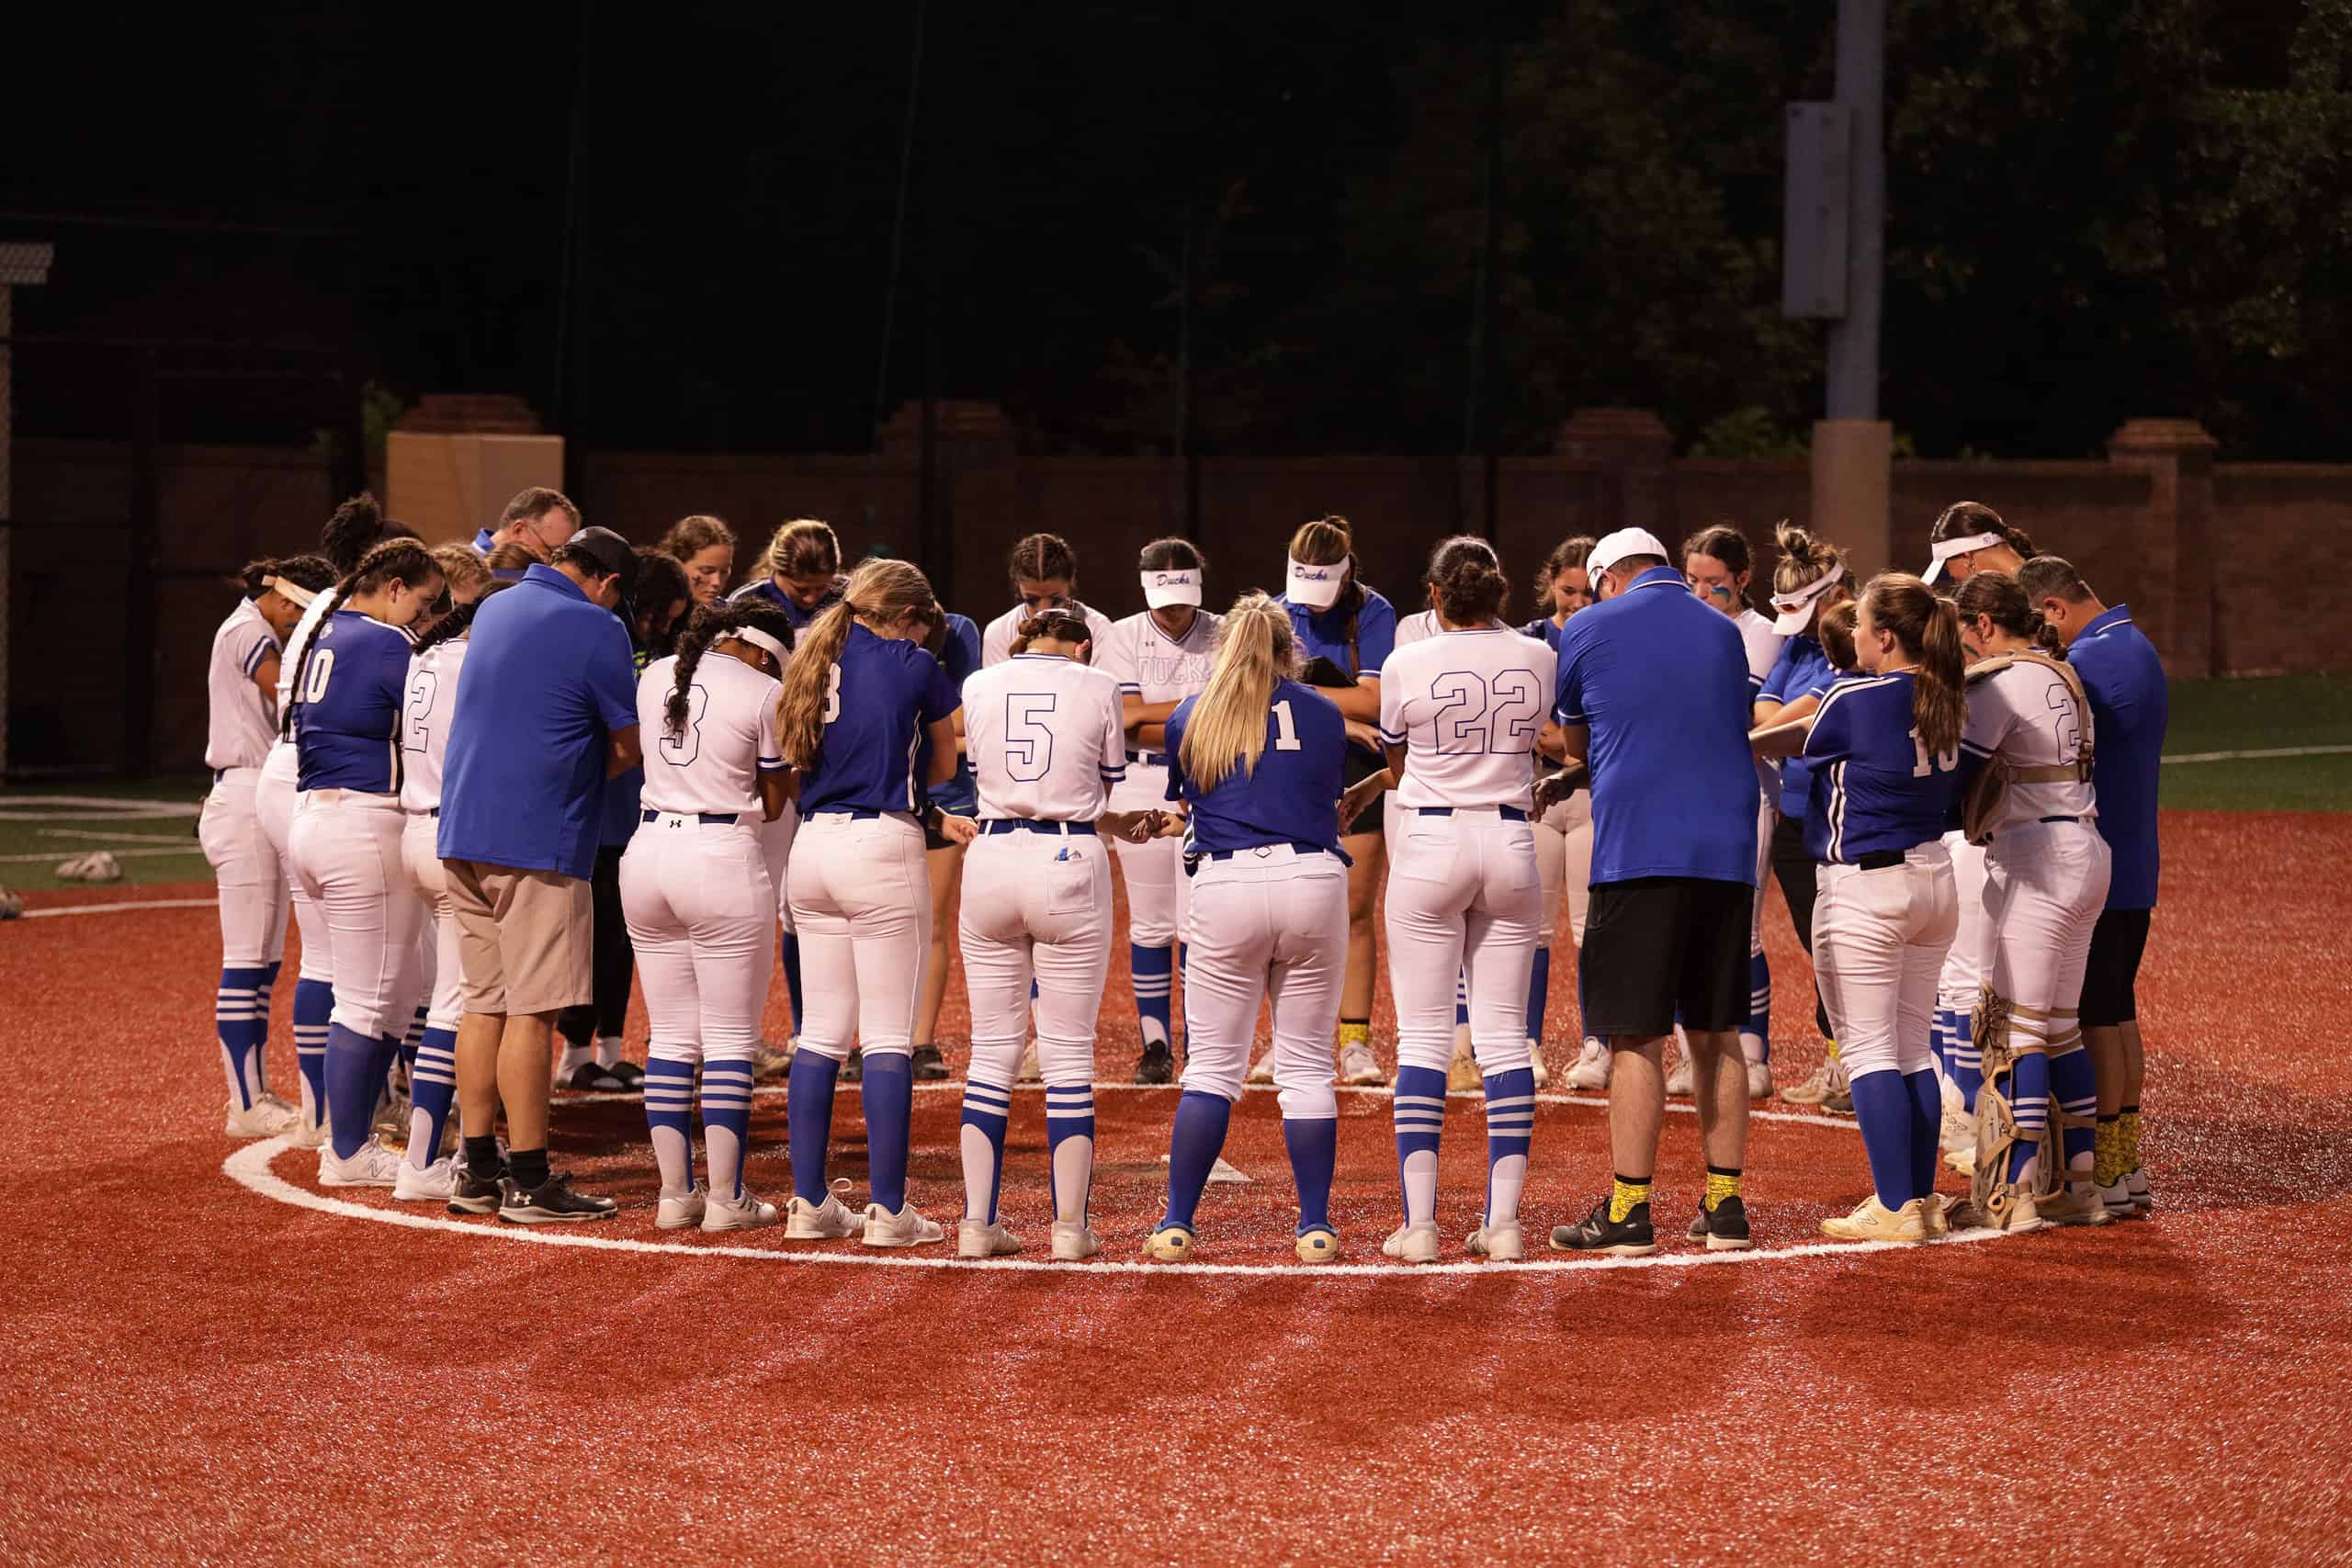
(1074, 1244)
(683, 1210)
(1815, 1089)
(552, 1201)
(1628, 1238)
(1157, 1065)
(2078, 1205)
(1503, 1243)
(744, 1212)
(929, 1066)
(477, 1191)
(1317, 1246)
(1262, 1069)
(978, 1239)
(1589, 1074)
(1760, 1080)
(829, 1220)
(268, 1117)
(1680, 1082)
(590, 1078)
(905, 1228)
(1169, 1243)
(1358, 1067)
(1412, 1244)
(373, 1165)
(1536, 1063)
(1873, 1221)
(436, 1183)
(1724, 1227)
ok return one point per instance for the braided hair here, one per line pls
(402, 559)
(459, 621)
(711, 624)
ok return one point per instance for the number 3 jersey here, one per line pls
(1046, 737)
(425, 724)
(878, 697)
(711, 764)
(347, 718)
(1466, 707)
(1876, 787)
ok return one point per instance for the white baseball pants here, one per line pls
(1879, 939)
(252, 878)
(1970, 959)
(1464, 899)
(1563, 863)
(1158, 890)
(2045, 884)
(700, 909)
(274, 796)
(421, 855)
(775, 848)
(861, 904)
(347, 855)
(1036, 906)
(1270, 921)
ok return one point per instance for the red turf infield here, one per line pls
(196, 1372)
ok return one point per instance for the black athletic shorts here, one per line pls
(1656, 946)
(2117, 943)
(1361, 765)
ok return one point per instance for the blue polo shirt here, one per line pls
(961, 658)
(1661, 682)
(2130, 706)
(548, 680)
(1803, 666)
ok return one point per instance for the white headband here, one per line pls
(1944, 550)
(759, 639)
(292, 593)
(1796, 606)
(1172, 587)
(1317, 587)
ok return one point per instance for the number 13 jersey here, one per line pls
(1466, 707)
(1045, 736)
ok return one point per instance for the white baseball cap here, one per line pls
(1177, 585)
(1624, 542)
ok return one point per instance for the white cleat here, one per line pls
(312, 1134)
(1412, 1244)
(829, 1220)
(1590, 1073)
(742, 1213)
(2117, 1197)
(1262, 1069)
(373, 1165)
(905, 1228)
(1074, 1244)
(436, 1183)
(1358, 1067)
(268, 1117)
(1536, 1063)
(682, 1211)
(2141, 1197)
(1678, 1084)
(980, 1238)
(1760, 1080)
(1502, 1242)
(1029, 1071)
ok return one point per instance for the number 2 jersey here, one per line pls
(1046, 737)
(347, 712)
(425, 724)
(712, 763)
(1292, 795)
(1876, 787)
(1466, 705)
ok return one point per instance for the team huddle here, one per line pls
(497, 783)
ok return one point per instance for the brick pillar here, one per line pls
(2177, 456)
(453, 461)
(1634, 449)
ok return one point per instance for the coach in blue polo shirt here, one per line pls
(546, 711)
(1654, 697)
(538, 519)
(2130, 706)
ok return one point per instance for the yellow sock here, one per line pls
(1720, 1186)
(1829, 1049)
(1624, 1196)
(2107, 1153)
(2128, 1126)
(1352, 1033)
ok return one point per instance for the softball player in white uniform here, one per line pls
(1459, 716)
(1047, 737)
(1043, 569)
(275, 795)
(1564, 833)
(2045, 882)
(1159, 658)
(699, 902)
(240, 677)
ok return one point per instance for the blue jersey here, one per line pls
(881, 693)
(347, 716)
(1803, 665)
(1661, 682)
(961, 658)
(1544, 629)
(1876, 788)
(1359, 644)
(2130, 706)
(765, 588)
(1293, 796)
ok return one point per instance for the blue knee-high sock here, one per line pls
(1926, 1124)
(1192, 1148)
(1967, 1061)
(1939, 1039)
(1460, 999)
(1153, 968)
(1418, 1112)
(987, 1107)
(1313, 1146)
(1510, 1133)
(432, 1088)
(313, 1005)
(239, 1023)
(788, 954)
(726, 1115)
(388, 1056)
(412, 1039)
(1539, 994)
(888, 1091)
(1070, 1113)
(808, 1120)
(2030, 1103)
(2073, 1086)
(668, 1093)
(355, 1075)
(1883, 1106)
(1759, 1002)
(261, 1022)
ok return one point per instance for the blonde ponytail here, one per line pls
(881, 594)
(1228, 729)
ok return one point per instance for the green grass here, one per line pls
(2260, 714)
(52, 841)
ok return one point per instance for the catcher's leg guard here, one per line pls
(2004, 1032)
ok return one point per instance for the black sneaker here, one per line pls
(1724, 1228)
(632, 1077)
(853, 1069)
(549, 1203)
(478, 1192)
(1157, 1065)
(1628, 1238)
(590, 1078)
(929, 1067)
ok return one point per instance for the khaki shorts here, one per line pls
(525, 938)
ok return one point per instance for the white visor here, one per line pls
(759, 639)
(1944, 550)
(1161, 589)
(1795, 609)
(1317, 587)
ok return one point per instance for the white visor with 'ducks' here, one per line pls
(1161, 589)
(1795, 609)
(1317, 587)
(1944, 550)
